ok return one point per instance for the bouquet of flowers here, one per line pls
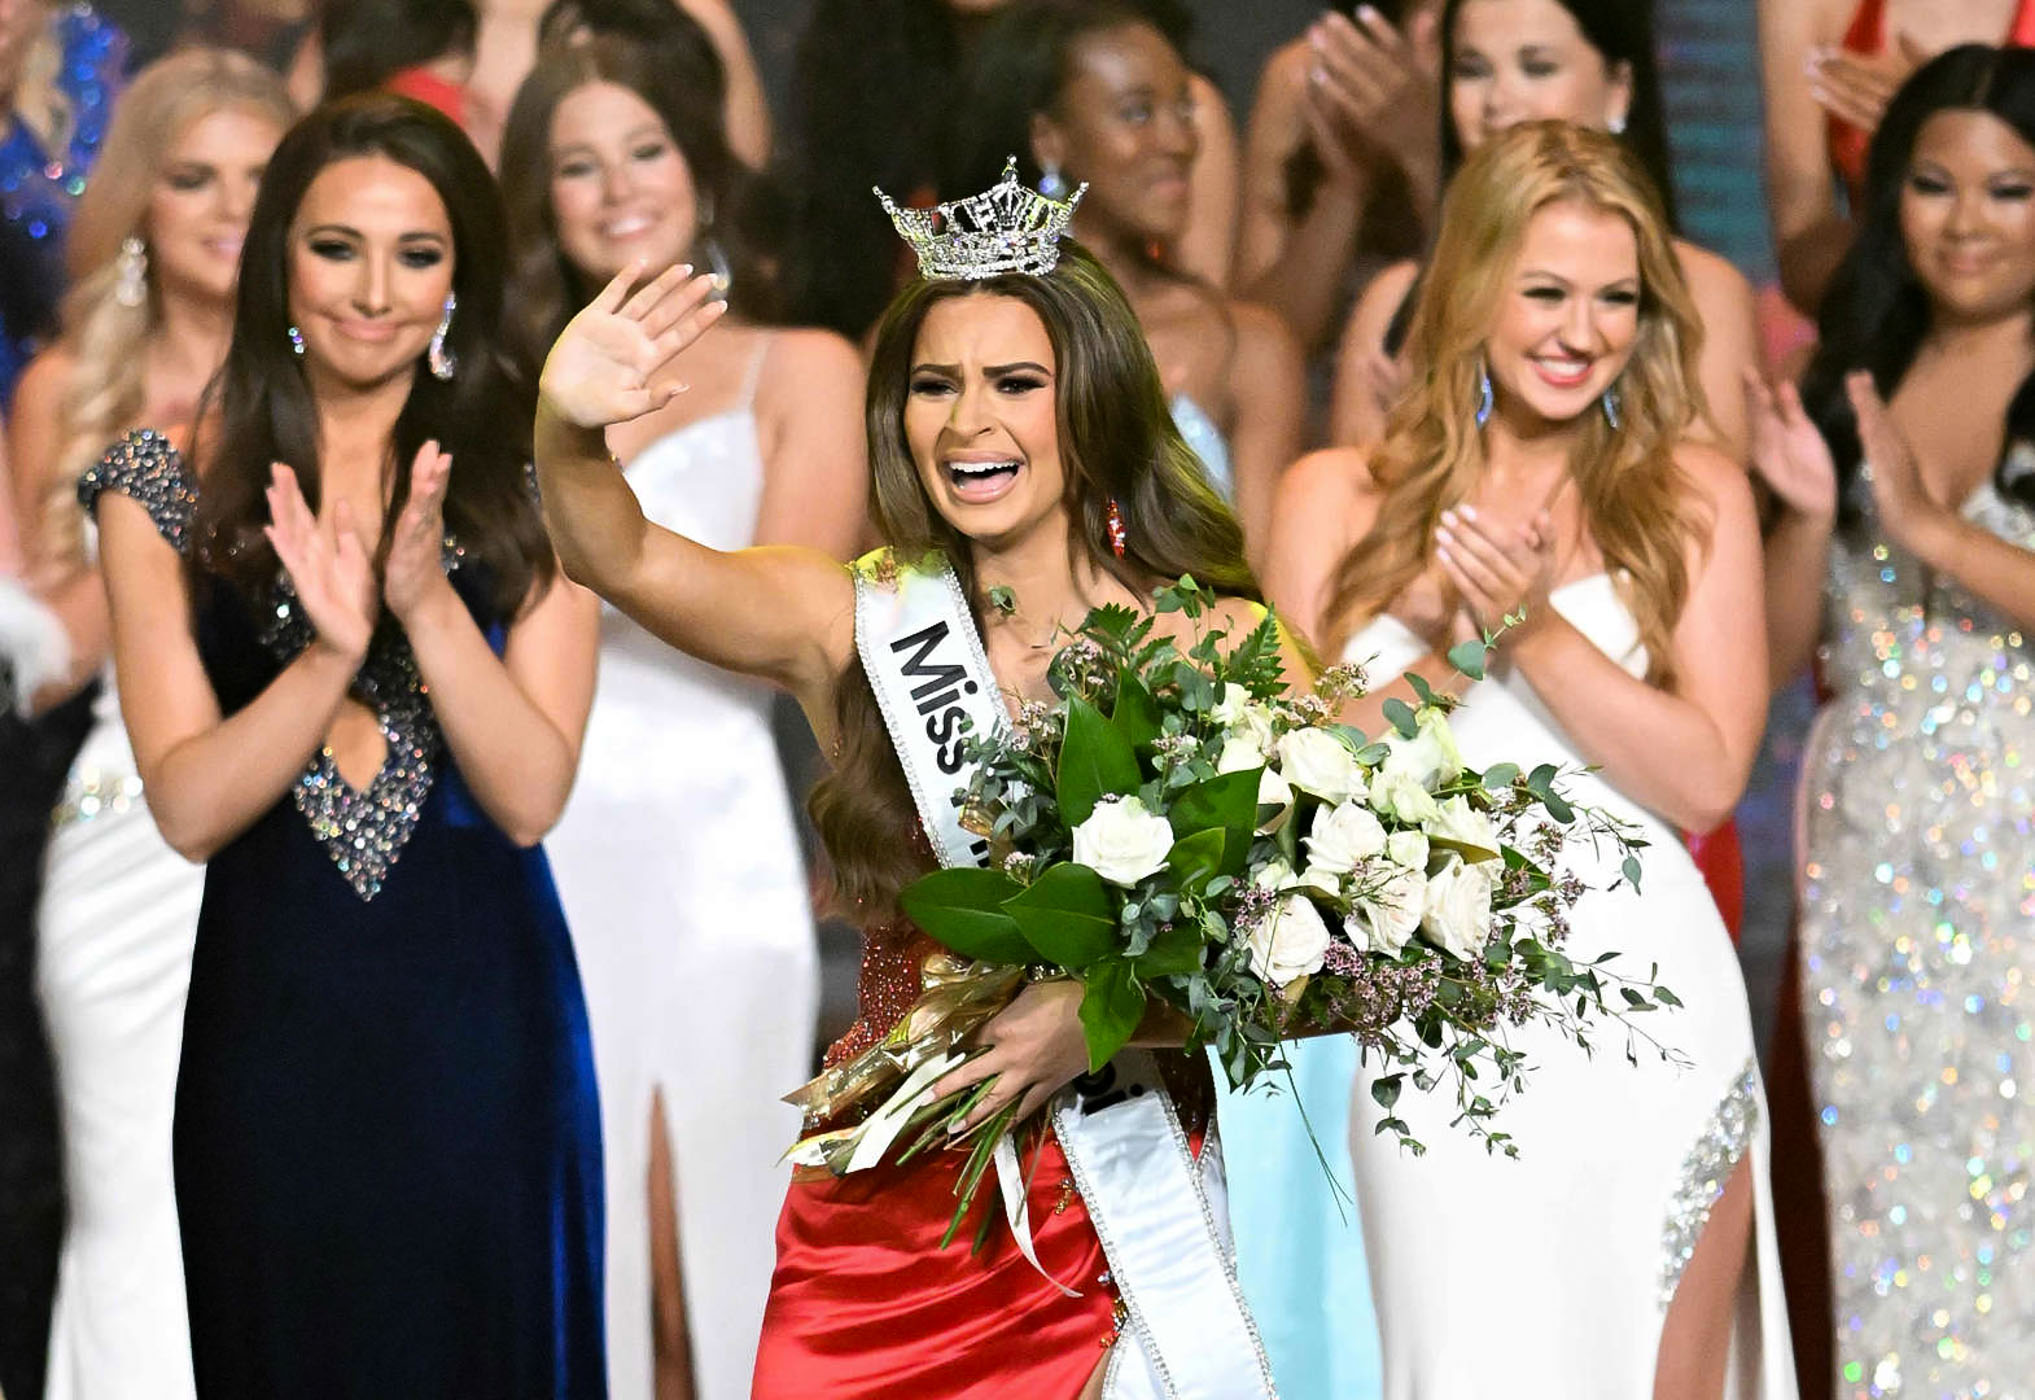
(1180, 826)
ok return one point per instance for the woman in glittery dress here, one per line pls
(156, 252)
(1018, 428)
(1908, 566)
(386, 1142)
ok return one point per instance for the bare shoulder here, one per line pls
(1718, 482)
(1330, 480)
(809, 350)
(44, 379)
(1263, 337)
(1712, 277)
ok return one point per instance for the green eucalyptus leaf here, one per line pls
(1067, 916)
(1468, 658)
(1096, 761)
(960, 908)
(1402, 717)
(1112, 1005)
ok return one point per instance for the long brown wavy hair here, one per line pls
(1636, 499)
(1117, 441)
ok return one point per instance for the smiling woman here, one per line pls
(355, 689)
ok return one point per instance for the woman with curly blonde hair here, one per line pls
(1542, 476)
(155, 253)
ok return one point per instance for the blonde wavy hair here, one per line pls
(1636, 499)
(106, 393)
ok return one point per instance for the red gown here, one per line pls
(865, 1304)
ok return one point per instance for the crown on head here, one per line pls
(1006, 228)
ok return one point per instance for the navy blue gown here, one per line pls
(387, 1140)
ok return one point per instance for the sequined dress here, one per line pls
(679, 865)
(1549, 1277)
(1918, 950)
(386, 1141)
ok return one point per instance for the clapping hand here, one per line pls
(414, 569)
(1788, 451)
(1370, 89)
(600, 370)
(1902, 502)
(1856, 88)
(1500, 570)
(327, 566)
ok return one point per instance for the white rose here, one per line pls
(1458, 821)
(1407, 848)
(1430, 758)
(1230, 705)
(1122, 842)
(1239, 754)
(1274, 874)
(1343, 836)
(1289, 941)
(1456, 914)
(1315, 761)
(1274, 791)
(1385, 921)
(1403, 796)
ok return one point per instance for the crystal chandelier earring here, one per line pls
(130, 287)
(1052, 184)
(296, 342)
(1611, 406)
(1484, 400)
(1119, 537)
(442, 361)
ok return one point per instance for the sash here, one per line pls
(1161, 1214)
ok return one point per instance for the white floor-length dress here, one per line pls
(679, 867)
(1548, 1277)
(118, 917)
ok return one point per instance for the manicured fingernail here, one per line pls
(1367, 14)
(1449, 516)
(954, 1126)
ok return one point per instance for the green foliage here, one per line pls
(961, 907)
(1067, 916)
(1096, 761)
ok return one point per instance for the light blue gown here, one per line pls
(1300, 1248)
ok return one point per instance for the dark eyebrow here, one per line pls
(998, 371)
(341, 229)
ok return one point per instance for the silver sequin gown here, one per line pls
(1918, 945)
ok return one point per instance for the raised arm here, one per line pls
(781, 613)
(1267, 385)
(746, 111)
(1368, 378)
(209, 778)
(1208, 247)
(1789, 454)
(1810, 235)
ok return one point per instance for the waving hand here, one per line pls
(600, 370)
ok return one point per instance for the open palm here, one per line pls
(1788, 450)
(601, 368)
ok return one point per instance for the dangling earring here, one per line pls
(1051, 183)
(130, 289)
(1616, 126)
(1611, 407)
(720, 272)
(297, 342)
(1119, 537)
(1484, 402)
(442, 361)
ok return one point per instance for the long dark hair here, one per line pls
(1877, 311)
(260, 409)
(367, 42)
(1117, 441)
(1622, 32)
(545, 289)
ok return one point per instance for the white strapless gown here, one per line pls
(1548, 1277)
(118, 917)
(679, 867)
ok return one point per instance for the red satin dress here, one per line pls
(865, 1304)
(1868, 35)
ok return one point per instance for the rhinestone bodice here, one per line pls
(363, 830)
(1918, 904)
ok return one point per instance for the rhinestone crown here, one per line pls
(1006, 228)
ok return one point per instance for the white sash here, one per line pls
(1161, 1214)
